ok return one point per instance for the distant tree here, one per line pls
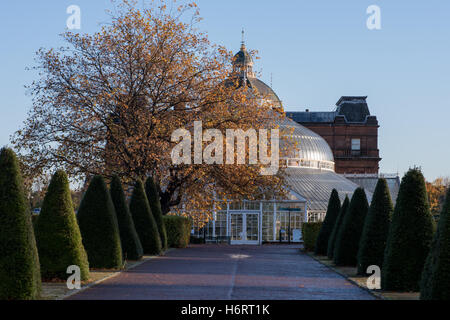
(153, 198)
(144, 221)
(376, 229)
(131, 245)
(99, 227)
(57, 233)
(410, 236)
(20, 277)
(77, 195)
(334, 206)
(436, 195)
(36, 190)
(435, 283)
(349, 237)
(332, 240)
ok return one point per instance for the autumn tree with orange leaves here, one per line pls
(108, 102)
(436, 194)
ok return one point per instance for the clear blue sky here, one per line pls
(317, 51)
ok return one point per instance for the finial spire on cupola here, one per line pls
(243, 62)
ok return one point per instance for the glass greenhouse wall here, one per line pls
(254, 222)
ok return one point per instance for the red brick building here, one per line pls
(350, 130)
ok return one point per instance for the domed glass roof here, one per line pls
(312, 151)
(264, 91)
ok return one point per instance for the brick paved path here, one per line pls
(213, 272)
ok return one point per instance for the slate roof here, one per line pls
(355, 109)
(312, 116)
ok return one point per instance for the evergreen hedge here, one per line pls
(99, 229)
(178, 231)
(34, 219)
(20, 277)
(376, 229)
(131, 245)
(155, 205)
(410, 236)
(310, 233)
(435, 283)
(332, 240)
(146, 227)
(347, 241)
(58, 236)
(334, 206)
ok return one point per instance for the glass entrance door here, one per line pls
(236, 227)
(244, 228)
(252, 227)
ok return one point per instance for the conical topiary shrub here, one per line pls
(57, 233)
(332, 241)
(146, 227)
(98, 225)
(20, 277)
(131, 245)
(376, 229)
(435, 284)
(334, 206)
(347, 241)
(153, 199)
(409, 237)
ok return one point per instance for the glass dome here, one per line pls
(312, 151)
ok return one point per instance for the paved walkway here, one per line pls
(220, 272)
